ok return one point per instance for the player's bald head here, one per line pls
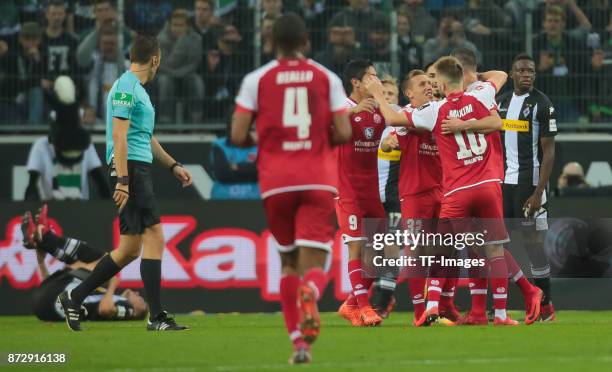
(289, 33)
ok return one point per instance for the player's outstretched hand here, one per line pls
(532, 204)
(368, 104)
(373, 85)
(183, 175)
(453, 125)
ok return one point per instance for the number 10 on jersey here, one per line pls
(295, 111)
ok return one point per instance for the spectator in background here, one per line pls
(59, 47)
(411, 53)
(577, 24)
(272, 8)
(358, 15)
(423, 25)
(560, 62)
(23, 68)
(377, 49)
(450, 36)
(572, 176)
(488, 27)
(61, 163)
(315, 16)
(9, 19)
(147, 16)
(99, 55)
(234, 169)
(341, 46)
(268, 51)
(225, 66)
(104, 12)
(204, 20)
(181, 48)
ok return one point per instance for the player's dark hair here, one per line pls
(355, 69)
(522, 57)
(112, 3)
(466, 56)
(289, 33)
(450, 68)
(144, 47)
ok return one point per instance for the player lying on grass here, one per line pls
(80, 259)
(470, 180)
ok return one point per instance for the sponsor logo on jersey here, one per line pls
(515, 125)
(123, 99)
(368, 132)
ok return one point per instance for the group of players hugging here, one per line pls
(318, 152)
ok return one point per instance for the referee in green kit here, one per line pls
(130, 150)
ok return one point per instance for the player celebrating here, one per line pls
(358, 196)
(297, 168)
(470, 182)
(472, 81)
(420, 184)
(529, 143)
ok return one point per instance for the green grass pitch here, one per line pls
(577, 341)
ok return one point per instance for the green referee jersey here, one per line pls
(129, 100)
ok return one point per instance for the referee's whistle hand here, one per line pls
(183, 176)
(121, 196)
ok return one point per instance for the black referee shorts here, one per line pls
(515, 197)
(140, 211)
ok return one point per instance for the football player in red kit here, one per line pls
(299, 108)
(472, 81)
(470, 181)
(358, 196)
(420, 183)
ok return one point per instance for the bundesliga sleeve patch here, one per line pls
(123, 100)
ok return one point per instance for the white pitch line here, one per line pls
(357, 365)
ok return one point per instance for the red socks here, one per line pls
(289, 304)
(517, 275)
(316, 279)
(359, 283)
(499, 282)
(417, 294)
(447, 296)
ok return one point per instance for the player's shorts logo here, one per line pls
(501, 290)
(368, 132)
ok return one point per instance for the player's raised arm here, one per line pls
(497, 78)
(392, 117)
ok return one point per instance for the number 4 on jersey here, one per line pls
(295, 111)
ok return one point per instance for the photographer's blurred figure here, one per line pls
(572, 177)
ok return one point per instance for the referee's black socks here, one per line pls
(104, 271)
(150, 272)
